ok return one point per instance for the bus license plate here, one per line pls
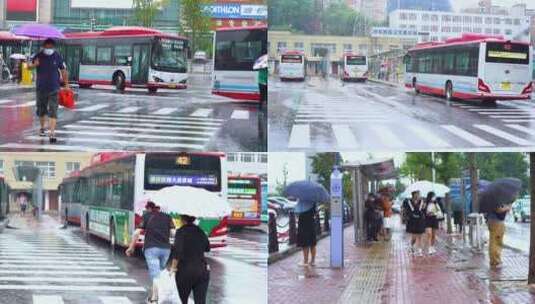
(172, 86)
(506, 86)
(237, 214)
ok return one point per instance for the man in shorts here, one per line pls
(48, 64)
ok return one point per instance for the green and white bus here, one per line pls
(102, 196)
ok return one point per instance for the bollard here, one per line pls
(273, 235)
(326, 227)
(292, 230)
(475, 233)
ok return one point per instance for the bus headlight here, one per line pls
(157, 79)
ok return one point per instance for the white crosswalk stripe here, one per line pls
(202, 112)
(47, 299)
(467, 136)
(386, 136)
(92, 108)
(344, 137)
(129, 110)
(251, 252)
(300, 136)
(504, 135)
(239, 114)
(164, 111)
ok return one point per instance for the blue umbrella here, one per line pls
(36, 30)
(500, 192)
(307, 193)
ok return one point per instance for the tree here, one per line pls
(196, 23)
(322, 165)
(282, 185)
(340, 19)
(145, 11)
(531, 272)
(419, 166)
(296, 15)
(497, 165)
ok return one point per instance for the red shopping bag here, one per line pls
(66, 98)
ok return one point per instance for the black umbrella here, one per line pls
(500, 192)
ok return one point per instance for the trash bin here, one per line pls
(475, 230)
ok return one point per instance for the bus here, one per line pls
(235, 52)
(4, 198)
(265, 190)
(472, 67)
(292, 66)
(245, 199)
(70, 198)
(134, 57)
(114, 181)
(354, 67)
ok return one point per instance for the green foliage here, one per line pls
(322, 165)
(145, 11)
(291, 15)
(497, 165)
(279, 188)
(196, 24)
(419, 166)
(339, 19)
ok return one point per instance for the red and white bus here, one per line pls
(245, 199)
(354, 67)
(472, 67)
(127, 57)
(292, 65)
(235, 51)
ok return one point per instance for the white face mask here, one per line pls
(48, 52)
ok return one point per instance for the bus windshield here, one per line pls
(500, 52)
(291, 59)
(238, 50)
(169, 55)
(182, 170)
(356, 60)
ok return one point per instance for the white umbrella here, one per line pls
(17, 56)
(191, 201)
(261, 62)
(425, 187)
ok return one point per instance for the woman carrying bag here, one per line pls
(192, 272)
(434, 214)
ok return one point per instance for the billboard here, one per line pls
(21, 10)
(106, 4)
(236, 11)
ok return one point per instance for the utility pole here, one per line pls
(473, 181)
(531, 272)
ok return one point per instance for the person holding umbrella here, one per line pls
(434, 213)
(192, 272)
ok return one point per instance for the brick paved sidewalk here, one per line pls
(384, 272)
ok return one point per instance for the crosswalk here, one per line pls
(247, 251)
(48, 267)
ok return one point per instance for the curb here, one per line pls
(3, 225)
(391, 84)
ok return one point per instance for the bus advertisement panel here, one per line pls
(245, 199)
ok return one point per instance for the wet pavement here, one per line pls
(329, 115)
(43, 264)
(192, 119)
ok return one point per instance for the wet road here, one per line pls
(170, 120)
(56, 266)
(328, 115)
(517, 234)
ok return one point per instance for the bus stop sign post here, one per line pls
(337, 220)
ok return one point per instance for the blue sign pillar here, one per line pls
(337, 220)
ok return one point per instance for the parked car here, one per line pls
(200, 57)
(284, 204)
(522, 210)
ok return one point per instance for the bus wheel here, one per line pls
(66, 217)
(113, 241)
(414, 86)
(84, 86)
(449, 91)
(153, 90)
(119, 81)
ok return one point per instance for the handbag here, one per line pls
(66, 98)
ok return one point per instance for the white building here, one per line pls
(247, 163)
(444, 25)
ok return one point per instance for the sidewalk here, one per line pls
(385, 273)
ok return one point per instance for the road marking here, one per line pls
(70, 273)
(162, 118)
(344, 137)
(339, 120)
(129, 110)
(92, 108)
(517, 116)
(66, 279)
(164, 111)
(387, 137)
(50, 147)
(519, 120)
(429, 137)
(127, 143)
(498, 110)
(133, 135)
(2, 101)
(504, 135)
(71, 288)
(521, 128)
(144, 130)
(473, 139)
(47, 299)
(152, 120)
(299, 136)
(181, 126)
(202, 112)
(114, 300)
(60, 267)
(53, 262)
(240, 114)
(339, 116)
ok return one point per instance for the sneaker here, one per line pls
(42, 132)
(419, 252)
(53, 139)
(431, 250)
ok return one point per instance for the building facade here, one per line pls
(424, 5)
(54, 167)
(246, 163)
(15, 12)
(444, 25)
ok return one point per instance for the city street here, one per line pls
(43, 264)
(191, 119)
(328, 115)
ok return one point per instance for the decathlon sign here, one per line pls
(236, 11)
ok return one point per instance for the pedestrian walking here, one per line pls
(192, 272)
(306, 236)
(158, 227)
(434, 213)
(496, 226)
(414, 210)
(48, 64)
(23, 202)
(386, 201)
(370, 218)
(263, 86)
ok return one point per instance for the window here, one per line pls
(425, 17)
(434, 28)
(456, 29)
(412, 26)
(517, 21)
(89, 54)
(467, 19)
(446, 18)
(1, 166)
(122, 54)
(348, 47)
(263, 158)
(515, 53)
(238, 50)
(104, 55)
(403, 16)
(478, 20)
(232, 156)
(488, 31)
(497, 21)
(299, 46)
(477, 30)
(48, 169)
(425, 28)
(281, 46)
(467, 29)
(508, 32)
(71, 167)
(457, 18)
(446, 29)
(488, 20)
(497, 31)
(247, 157)
(434, 17)
(412, 16)
(508, 21)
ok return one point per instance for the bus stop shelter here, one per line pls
(365, 176)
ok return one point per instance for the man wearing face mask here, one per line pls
(48, 63)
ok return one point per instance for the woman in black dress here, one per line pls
(434, 213)
(192, 270)
(415, 213)
(306, 236)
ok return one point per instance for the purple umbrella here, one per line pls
(36, 30)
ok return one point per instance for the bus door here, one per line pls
(73, 54)
(140, 64)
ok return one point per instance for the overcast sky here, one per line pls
(459, 4)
